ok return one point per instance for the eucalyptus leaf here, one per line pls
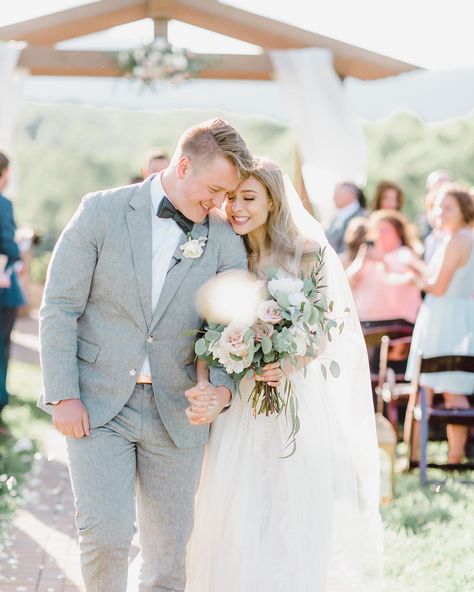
(334, 369)
(212, 336)
(282, 299)
(200, 347)
(266, 344)
(324, 371)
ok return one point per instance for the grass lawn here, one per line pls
(429, 534)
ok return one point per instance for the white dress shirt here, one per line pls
(164, 240)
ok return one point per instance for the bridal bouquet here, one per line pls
(292, 317)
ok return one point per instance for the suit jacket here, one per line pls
(11, 297)
(335, 233)
(96, 323)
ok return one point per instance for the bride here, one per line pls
(309, 522)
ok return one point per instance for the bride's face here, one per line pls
(248, 207)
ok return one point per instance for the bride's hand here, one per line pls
(206, 402)
(271, 374)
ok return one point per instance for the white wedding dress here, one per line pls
(307, 523)
(310, 522)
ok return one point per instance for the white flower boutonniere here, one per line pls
(194, 247)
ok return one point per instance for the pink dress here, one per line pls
(381, 292)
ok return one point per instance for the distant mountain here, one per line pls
(434, 96)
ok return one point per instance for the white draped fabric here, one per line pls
(11, 92)
(330, 141)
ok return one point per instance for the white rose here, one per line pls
(193, 249)
(269, 312)
(223, 357)
(285, 286)
(297, 299)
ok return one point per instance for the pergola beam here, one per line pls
(272, 34)
(208, 14)
(75, 22)
(46, 61)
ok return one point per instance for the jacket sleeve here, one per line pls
(8, 246)
(65, 297)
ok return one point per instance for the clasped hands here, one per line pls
(207, 401)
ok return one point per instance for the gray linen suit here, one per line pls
(96, 326)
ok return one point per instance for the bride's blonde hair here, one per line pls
(282, 234)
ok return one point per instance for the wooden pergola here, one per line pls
(41, 57)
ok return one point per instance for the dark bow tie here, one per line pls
(167, 210)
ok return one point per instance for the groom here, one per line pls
(117, 356)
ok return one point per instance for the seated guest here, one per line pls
(350, 202)
(381, 274)
(354, 238)
(388, 196)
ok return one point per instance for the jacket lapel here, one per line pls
(177, 271)
(139, 230)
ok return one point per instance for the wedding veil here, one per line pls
(356, 547)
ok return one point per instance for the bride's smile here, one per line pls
(247, 209)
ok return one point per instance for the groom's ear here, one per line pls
(183, 166)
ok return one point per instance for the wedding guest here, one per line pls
(155, 161)
(445, 324)
(350, 202)
(11, 297)
(388, 196)
(433, 182)
(381, 275)
(354, 237)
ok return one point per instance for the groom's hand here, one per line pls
(70, 417)
(206, 402)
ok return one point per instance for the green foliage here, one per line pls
(402, 149)
(39, 266)
(26, 425)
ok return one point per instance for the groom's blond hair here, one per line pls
(209, 139)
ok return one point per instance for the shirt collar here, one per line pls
(157, 191)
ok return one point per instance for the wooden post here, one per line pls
(299, 184)
(161, 28)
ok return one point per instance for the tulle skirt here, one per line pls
(265, 523)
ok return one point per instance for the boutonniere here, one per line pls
(194, 247)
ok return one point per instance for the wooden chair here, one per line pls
(378, 334)
(393, 388)
(393, 337)
(418, 409)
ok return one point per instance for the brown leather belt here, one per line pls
(144, 379)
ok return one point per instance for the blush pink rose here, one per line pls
(232, 339)
(269, 312)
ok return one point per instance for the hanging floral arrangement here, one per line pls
(160, 60)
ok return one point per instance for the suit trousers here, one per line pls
(133, 453)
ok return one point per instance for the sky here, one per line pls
(433, 34)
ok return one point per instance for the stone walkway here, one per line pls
(41, 552)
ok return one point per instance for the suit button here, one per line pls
(133, 372)
(150, 339)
